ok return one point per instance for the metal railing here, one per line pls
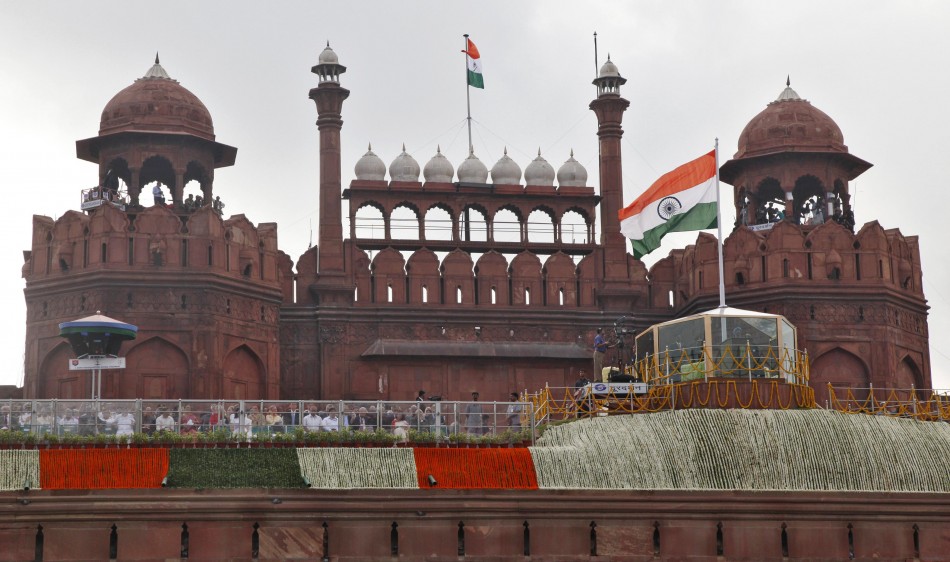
(748, 360)
(262, 419)
(562, 403)
(919, 404)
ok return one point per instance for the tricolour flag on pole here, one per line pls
(474, 66)
(681, 200)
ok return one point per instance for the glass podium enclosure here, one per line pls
(723, 342)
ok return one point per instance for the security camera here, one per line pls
(432, 481)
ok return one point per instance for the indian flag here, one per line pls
(474, 65)
(681, 200)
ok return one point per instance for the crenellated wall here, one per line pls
(204, 291)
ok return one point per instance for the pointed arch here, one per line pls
(57, 381)
(842, 369)
(243, 374)
(154, 368)
(908, 374)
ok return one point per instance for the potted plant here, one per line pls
(140, 439)
(71, 441)
(51, 440)
(9, 438)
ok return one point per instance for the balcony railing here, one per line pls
(919, 404)
(263, 419)
(749, 361)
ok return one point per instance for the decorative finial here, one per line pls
(403, 147)
(156, 57)
(539, 152)
(572, 153)
(788, 80)
(369, 147)
(608, 57)
(438, 149)
(506, 151)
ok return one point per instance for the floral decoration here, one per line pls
(346, 467)
(91, 469)
(19, 469)
(476, 468)
(746, 450)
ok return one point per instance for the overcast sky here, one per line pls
(696, 71)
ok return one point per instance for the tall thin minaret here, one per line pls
(329, 97)
(609, 108)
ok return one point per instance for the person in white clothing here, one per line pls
(69, 423)
(312, 422)
(124, 424)
(331, 422)
(240, 424)
(165, 422)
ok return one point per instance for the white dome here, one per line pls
(404, 167)
(571, 173)
(539, 172)
(609, 69)
(506, 171)
(370, 166)
(438, 169)
(327, 56)
(472, 170)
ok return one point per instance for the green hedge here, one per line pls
(234, 468)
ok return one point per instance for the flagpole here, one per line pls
(722, 277)
(468, 100)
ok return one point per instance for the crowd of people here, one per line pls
(125, 418)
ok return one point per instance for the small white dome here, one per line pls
(438, 169)
(506, 171)
(539, 172)
(609, 69)
(327, 56)
(571, 173)
(404, 167)
(472, 170)
(370, 166)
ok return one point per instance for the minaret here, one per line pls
(609, 108)
(329, 96)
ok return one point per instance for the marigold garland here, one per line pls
(90, 469)
(19, 469)
(346, 468)
(234, 468)
(476, 468)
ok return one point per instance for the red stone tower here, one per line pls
(856, 297)
(203, 290)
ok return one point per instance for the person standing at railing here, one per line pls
(312, 422)
(514, 412)
(600, 350)
(473, 416)
(157, 194)
(124, 423)
(165, 421)
(292, 417)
